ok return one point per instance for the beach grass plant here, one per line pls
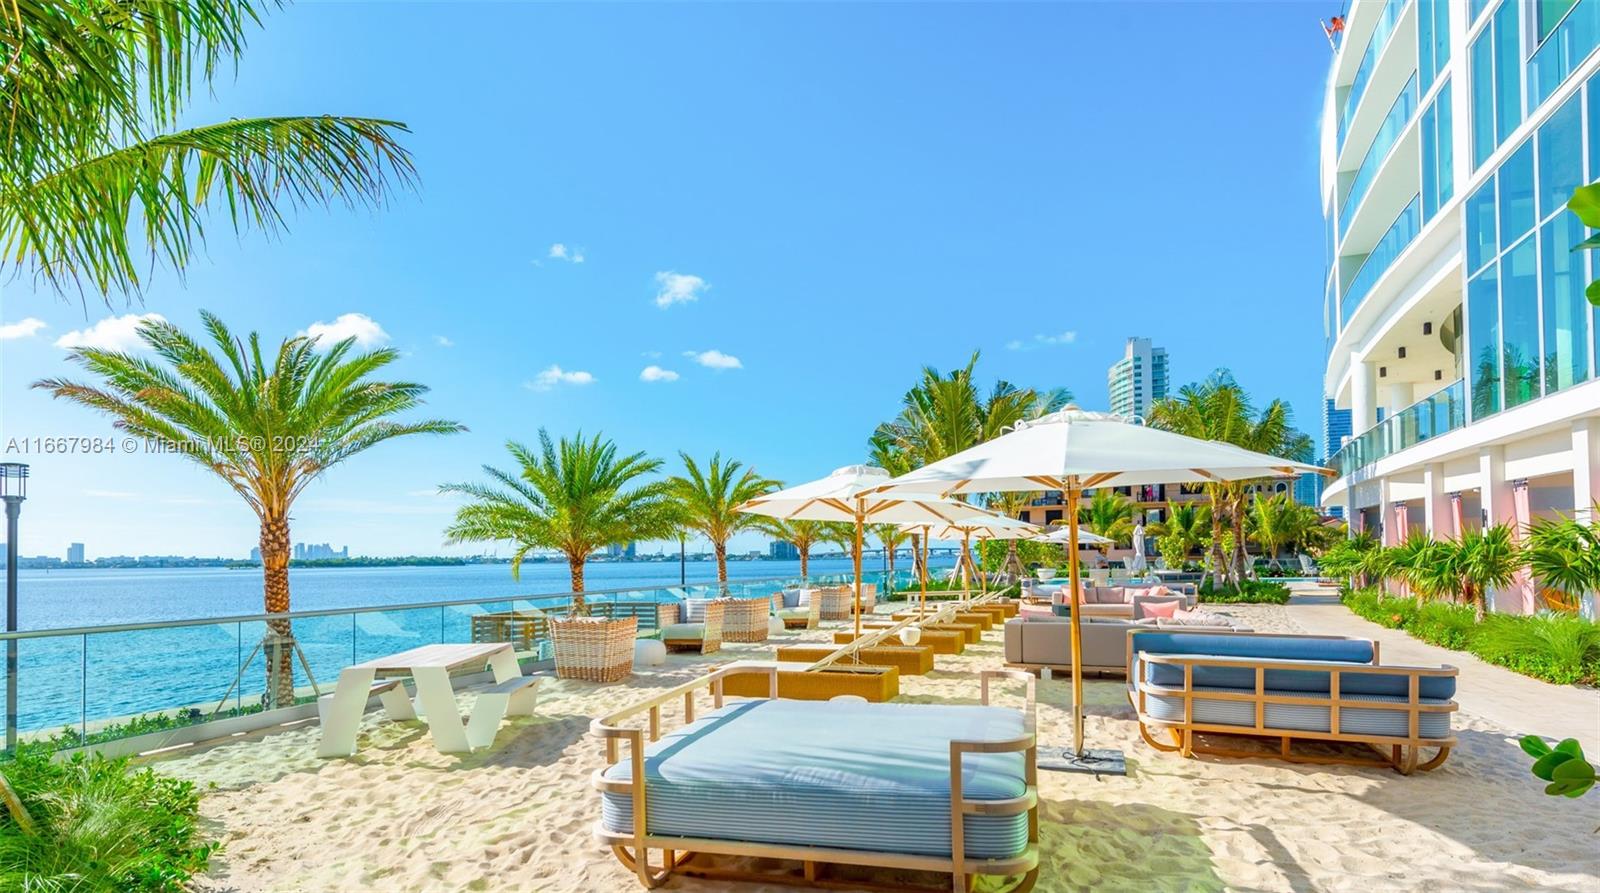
(1246, 592)
(92, 823)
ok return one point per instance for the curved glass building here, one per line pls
(1458, 334)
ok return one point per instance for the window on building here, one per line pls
(1566, 312)
(1516, 195)
(1483, 325)
(1564, 33)
(1482, 76)
(1496, 82)
(1560, 157)
(1433, 40)
(1548, 14)
(1480, 223)
(1519, 322)
(1477, 8)
(1438, 168)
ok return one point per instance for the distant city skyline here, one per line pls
(1138, 379)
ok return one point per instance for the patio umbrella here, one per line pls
(850, 494)
(1137, 563)
(1071, 451)
(1085, 537)
(982, 527)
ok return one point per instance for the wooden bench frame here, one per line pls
(1401, 753)
(678, 853)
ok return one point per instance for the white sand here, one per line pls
(402, 817)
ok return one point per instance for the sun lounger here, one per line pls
(822, 783)
(1319, 688)
(704, 636)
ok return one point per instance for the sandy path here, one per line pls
(402, 817)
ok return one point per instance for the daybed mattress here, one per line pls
(829, 774)
(1303, 717)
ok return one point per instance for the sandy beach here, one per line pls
(402, 817)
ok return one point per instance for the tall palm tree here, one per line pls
(267, 430)
(93, 173)
(1276, 521)
(707, 498)
(1109, 514)
(947, 413)
(803, 535)
(575, 496)
(1185, 528)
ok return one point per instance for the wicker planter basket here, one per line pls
(835, 602)
(594, 649)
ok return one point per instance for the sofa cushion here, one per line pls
(684, 631)
(1304, 717)
(694, 609)
(1154, 606)
(795, 613)
(1263, 646)
(1315, 679)
(791, 598)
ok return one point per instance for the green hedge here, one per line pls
(1253, 592)
(1557, 648)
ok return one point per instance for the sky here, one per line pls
(741, 228)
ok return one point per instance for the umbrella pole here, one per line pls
(860, 522)
(922, 606)
(1071, 497)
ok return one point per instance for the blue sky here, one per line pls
(833, 195)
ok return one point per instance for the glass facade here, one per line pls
(1433, 40)
(1529, 326)
(1438, 168)
(1567, 32)
(1496, 63)
(1369, 60)
(1394, 241)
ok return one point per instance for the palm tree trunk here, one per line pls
(1215, 562)
(916, 555)
(805, 562)
(888, 582)
(580, 607)
(278, 645)
(1240, 554)
(722, 562)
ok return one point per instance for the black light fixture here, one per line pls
(13, 490)
(1402, 352)
(1427, 328)
(1438, 375)
(1383, 371)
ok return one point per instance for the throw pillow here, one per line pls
(1159, 610)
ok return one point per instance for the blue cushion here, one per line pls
(1256, 645)
(829, 774)
(1394, 723)
(1310, 680)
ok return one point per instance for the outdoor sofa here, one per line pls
(1036, 643)
(819, 784)
(1289, 687)
(1118, 601)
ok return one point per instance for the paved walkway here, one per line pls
(1510, 700)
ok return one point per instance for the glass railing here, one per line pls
(1369, 60)
(1394, 241)
(1571, 42)
(1442, 411)
(98, 684)
(1394, 124)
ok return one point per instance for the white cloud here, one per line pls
(656, 373)
(555, 375)
(559, 251)
(350, 325)
(1067, 337)
(679, 288)
(26, 328)
(112, 333)
(714, 359)
(442, 341)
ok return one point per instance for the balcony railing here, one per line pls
(97, 684)
(1369, 60)
(1440, 412)
(1394, 124)
(1389, 247)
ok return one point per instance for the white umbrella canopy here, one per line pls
(984, 527)
(849, 494)
(1085, 537)
(1073, 450)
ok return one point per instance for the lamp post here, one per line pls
(13, 489)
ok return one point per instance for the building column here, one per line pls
(1496, 497)
(1437, 517)
(1524, 595)
(1585, 468)
(1363, 394)
(1400, 395)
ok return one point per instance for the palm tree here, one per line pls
(707, 498)
(267, 431)
(575, 496)
(801, 534)
(946, 413)
(1183, 531)
(92, 90)
(1109, 514)
(1489, 559)
(1346, 557)
(1435, 570)
(891, 537)
(1011, 504)
(1564, 554)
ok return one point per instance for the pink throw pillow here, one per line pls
(1159, 590)
(1161, 611)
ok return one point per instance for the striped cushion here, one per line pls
(1310, 681)
(833, 774)
(694, 610)
(1302, 717)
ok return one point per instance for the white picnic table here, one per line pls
(429, 666)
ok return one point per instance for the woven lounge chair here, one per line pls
(704, 637)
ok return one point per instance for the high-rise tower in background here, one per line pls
(1138, 379)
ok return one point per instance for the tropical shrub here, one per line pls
(97, 824)
(1564, 554)
(1248, 592)
(1559, 648)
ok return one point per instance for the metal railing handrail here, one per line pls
(367, 609)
